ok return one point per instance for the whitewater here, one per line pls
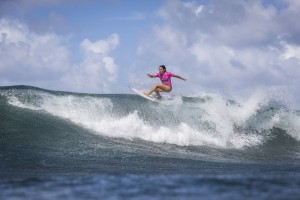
(200, 121)
(187, 146)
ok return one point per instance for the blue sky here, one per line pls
(232, 48)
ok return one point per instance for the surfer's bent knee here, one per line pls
(165, 88)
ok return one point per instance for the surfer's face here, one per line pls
(161, 70)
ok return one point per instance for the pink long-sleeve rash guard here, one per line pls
(165, 78)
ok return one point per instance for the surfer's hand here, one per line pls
(151, 76)
(177, 76)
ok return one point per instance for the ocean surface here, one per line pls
(62, 145)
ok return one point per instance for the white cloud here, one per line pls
(228, 46)
(100, 46)
(291, 51)
(28, 57)
(44, 60)
(98, 71)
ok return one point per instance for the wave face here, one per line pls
(206, 121)
(53, 123)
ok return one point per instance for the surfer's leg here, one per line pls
(159, 88)
(157, 94)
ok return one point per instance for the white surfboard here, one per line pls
(141, 93)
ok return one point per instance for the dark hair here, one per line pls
(164, 67)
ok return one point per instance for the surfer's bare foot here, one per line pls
(145, 93)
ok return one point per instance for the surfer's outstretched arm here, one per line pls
(177, 76)
(150, 75)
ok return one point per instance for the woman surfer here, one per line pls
(165, 78)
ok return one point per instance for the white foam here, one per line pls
(132, 126)
(95, 113)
